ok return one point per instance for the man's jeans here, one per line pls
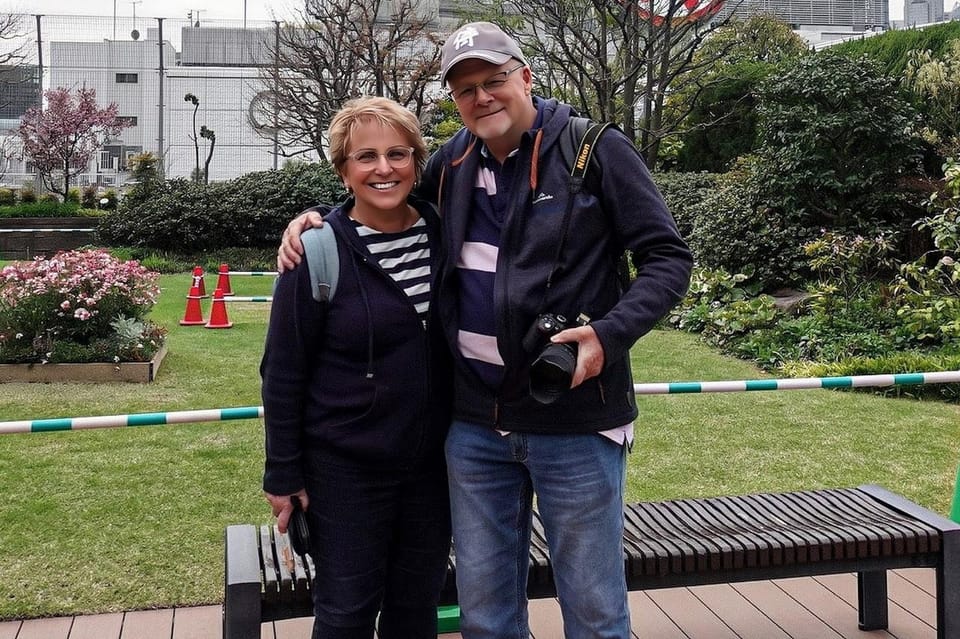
(578, 481)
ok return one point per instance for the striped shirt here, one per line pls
(405, 256)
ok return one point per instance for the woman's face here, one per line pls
(380, 169)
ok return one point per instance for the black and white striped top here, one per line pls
(405, 256)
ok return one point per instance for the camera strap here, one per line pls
(578, 171)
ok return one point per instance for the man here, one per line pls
(515, 254)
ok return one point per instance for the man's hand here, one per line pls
(282, 507)
(589, 352)
(291, 250)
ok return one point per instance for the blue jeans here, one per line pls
(380, 539)
(578, 481)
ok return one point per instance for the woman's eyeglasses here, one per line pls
(397, 156)
(491, 85)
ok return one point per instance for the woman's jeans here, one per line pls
(380, 539)
(578, 481)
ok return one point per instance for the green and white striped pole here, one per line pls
(798, 383)
(669, 388)
(254, 273)
(955, 511)
(137, 419)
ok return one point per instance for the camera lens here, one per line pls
(552, 372)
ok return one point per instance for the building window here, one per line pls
(127, 120)
(127, 78)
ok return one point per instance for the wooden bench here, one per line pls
(683, 542)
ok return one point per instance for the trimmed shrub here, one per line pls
(108, 200)
(734, 229)
(248, 211)
(684, 191)
(45, 208)
(88, 197)
(7, 197)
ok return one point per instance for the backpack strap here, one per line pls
(580, 134)
(576, 147)
(323, 260)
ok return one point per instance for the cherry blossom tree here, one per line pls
(62, 138)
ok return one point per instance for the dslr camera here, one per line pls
(552, 370)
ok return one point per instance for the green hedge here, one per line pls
(683, 192)
(44, 209)
(892, 48)
(249, 211)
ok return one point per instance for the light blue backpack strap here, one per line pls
(323, 260)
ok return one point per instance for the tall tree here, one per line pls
(341, 49)
(13, 44)
(62, 138)
(615, 60)
(717, 104)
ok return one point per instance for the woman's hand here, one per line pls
(282, 507)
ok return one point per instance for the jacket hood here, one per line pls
(553, 120)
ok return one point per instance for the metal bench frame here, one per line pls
(684, 542)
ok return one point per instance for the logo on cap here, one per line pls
(464, 37)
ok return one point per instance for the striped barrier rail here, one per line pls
(238, 298)
(254, 273)
(136, 419)
(670, 388)
(798, 383)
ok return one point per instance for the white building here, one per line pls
(218, 66)
(917, 12)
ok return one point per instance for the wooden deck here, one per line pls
(802, 608)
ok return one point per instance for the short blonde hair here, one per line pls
(383, 111)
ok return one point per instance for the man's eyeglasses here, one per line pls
(491, 85)
(397, 156)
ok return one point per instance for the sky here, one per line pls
(210, 9)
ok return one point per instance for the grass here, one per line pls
(131, 518)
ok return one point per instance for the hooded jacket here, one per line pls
(621, 211)
(358, 377)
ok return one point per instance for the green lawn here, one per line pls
(119, 519)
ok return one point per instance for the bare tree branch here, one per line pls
(13, 47)
(614, 60)
(338, 50)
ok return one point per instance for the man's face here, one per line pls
(502, 111)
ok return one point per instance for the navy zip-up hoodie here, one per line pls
(622, 210)
(358, 377)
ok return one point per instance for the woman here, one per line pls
(355, 417)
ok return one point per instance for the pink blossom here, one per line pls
(81, 314)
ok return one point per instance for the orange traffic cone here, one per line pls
(218, 312)
(198, 280)
(193, 314)
(223, 280)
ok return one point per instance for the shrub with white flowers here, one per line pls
(78, 306)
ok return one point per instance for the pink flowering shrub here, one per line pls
(77, 306)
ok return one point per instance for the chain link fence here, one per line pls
(171, 78)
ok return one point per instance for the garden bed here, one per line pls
(94, 372)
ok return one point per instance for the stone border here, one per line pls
(94, 372)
